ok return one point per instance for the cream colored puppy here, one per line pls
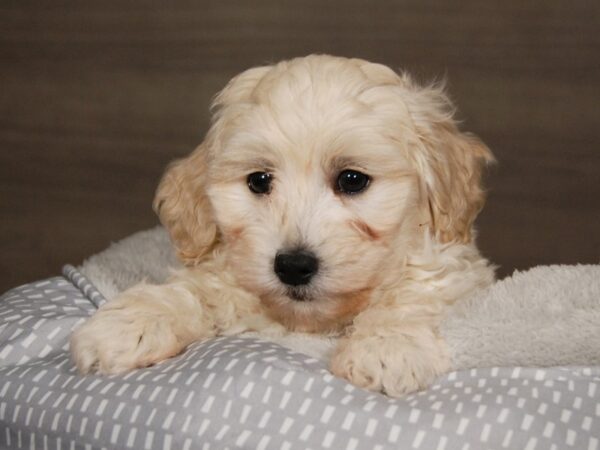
(330, 195)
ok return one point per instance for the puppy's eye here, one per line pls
(352, 181)
(259, 182)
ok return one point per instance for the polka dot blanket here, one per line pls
(242, 392)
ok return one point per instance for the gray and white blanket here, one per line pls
(245, 392)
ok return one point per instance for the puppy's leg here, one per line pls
(394, 349)
(149, 323)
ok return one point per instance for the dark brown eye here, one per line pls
(352, 182)
(259, 182)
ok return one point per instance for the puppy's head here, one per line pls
(317, 178)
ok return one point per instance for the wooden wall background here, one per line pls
(97, 96)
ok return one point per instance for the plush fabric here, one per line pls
(547, 316)
(146, 255)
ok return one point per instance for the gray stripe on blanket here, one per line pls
(84, 285)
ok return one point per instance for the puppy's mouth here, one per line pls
(313, 310)
(299, 294)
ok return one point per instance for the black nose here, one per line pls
(296, 268)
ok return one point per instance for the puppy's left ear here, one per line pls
(184, 209)
(451, 164)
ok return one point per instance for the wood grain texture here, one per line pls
(96, 97)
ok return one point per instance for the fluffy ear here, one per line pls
(184, 209)
(451, 164)
(454, 187)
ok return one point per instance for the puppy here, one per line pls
(330, 195)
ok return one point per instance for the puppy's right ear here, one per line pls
(184, 209)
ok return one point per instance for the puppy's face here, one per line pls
(309, 203)
(317, 182)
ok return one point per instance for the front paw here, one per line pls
(394, 365)
(119, 338)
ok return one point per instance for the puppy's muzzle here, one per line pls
(296, 268)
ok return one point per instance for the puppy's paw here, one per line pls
(120, 338)
(394, 365)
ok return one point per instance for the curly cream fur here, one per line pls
(391, 258)
(183, 208)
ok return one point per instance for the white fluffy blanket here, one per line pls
(546, 316)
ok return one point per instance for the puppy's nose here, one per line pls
(296, 268)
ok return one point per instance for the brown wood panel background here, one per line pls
(97, 96)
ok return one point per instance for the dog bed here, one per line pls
(526, 354)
